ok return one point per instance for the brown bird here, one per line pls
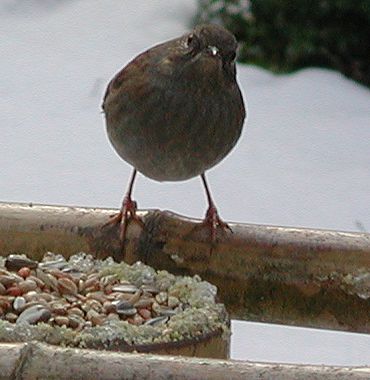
(176, 111)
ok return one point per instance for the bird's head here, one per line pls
(210, 47)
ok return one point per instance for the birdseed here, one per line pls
(83, 302)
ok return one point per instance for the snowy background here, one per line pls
(303, 158)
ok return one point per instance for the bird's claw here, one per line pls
(213, 221)
(127, 213)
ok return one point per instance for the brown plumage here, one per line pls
(176, 110)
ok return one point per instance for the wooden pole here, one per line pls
(293, 276)
(40, 361)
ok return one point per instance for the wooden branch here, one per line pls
(40, 361)
(285, 275)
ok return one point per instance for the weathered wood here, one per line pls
(295, 276)
(11, 356)
(40, 361)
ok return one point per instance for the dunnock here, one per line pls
(175, 111)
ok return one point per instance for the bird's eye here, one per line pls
(192, 41)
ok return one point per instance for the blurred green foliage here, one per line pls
(285, 35)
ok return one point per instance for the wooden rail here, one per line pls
(293, 276)
(39, 361)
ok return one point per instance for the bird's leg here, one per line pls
(212, 219)
(127, 212)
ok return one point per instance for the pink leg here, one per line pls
(128, 211)
(212, 218)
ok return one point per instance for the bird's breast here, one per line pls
(177, 125)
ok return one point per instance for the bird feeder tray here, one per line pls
(84, 302)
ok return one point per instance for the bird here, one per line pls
(174, 112)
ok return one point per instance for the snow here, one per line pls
(262, 342)
(303, 158)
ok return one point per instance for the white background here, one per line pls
(303, 158)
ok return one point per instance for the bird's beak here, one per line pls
(212, 50)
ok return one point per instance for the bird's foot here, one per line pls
(213, 221)
(127, 213)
